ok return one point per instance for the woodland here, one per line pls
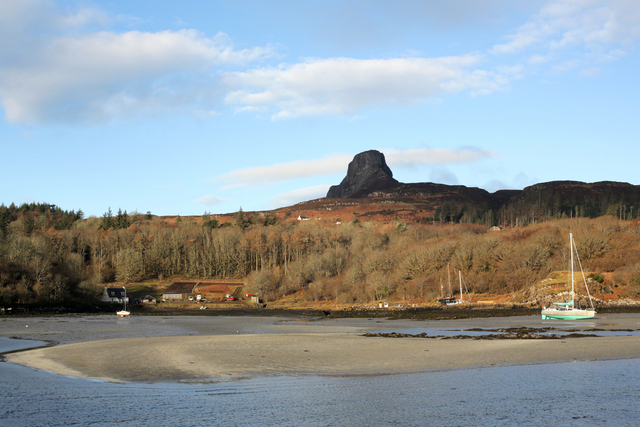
(52, 257)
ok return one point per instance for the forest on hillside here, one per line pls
(357, 262)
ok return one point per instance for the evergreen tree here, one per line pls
(5, 219)
(107, 220)
(122, 220)
(29, 223)
(240, 219)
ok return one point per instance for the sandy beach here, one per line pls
(226, 347)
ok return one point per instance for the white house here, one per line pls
(303, 218)
(114, 295)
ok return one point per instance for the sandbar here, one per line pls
(325, 351)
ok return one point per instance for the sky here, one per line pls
(182, 108)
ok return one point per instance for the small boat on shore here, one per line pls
(125, 309)
(461, 300)
(449, 298)
(568, 310)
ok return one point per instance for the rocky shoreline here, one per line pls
(415, 313)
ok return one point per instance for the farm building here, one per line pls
(179, 291)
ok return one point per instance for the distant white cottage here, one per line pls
(115, 295)
(303, 218)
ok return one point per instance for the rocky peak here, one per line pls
(367, 172)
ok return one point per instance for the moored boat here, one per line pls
(568, 310)
(449, 298)
(125, 310)
(461, 300)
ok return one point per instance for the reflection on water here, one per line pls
(581, 393)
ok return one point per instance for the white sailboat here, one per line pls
(567, 310)
(125, 310)
(449, 298)
(461, 300)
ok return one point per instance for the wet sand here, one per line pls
(235, 347)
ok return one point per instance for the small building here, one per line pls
(179, 291)
(303, 218)
(114, 295)
(255, 299)
(148, 299)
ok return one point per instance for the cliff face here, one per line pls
(367, 172)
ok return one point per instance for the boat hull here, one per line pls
(571, 314)
(122, 313)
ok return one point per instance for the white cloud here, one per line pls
(590, 72)
(539, 59)
(55, 67)
(209, 200)
(435, 156)
(346, 85)
(67, 75)
(18, 18)
(582, 24)
(262, 176)
(297, 196)
(443, 176)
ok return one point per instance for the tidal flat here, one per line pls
(200, 348)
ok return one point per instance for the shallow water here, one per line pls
(8, 344)
(578, 393)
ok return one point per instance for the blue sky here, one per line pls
(178, 108)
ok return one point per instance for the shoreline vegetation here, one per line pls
(351, 259)
(224, 348)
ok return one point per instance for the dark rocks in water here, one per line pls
(396, 335)
(507, 334)
(367, 172)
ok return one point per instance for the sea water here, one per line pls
(565, 394)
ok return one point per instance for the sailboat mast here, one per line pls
(449, 280)
(460, 279)
(572, 280)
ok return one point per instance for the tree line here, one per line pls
(350, 263)
(544, 205)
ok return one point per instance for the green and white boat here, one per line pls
(568, 310)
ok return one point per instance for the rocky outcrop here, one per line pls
(369, 176)
(367, 172)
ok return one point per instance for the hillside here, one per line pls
(370, 191)
(388, 240)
